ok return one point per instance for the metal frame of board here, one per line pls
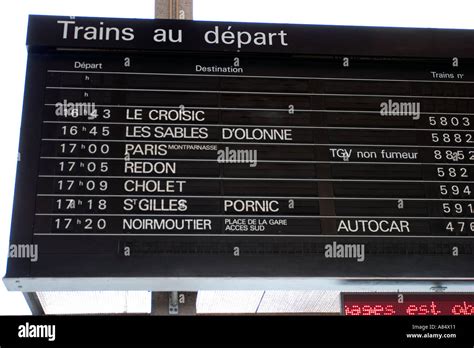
(331, 41)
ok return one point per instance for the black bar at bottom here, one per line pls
(139, 330)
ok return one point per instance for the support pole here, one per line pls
(174, 9)
(173, 303)
(34, 303)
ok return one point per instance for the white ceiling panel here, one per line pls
(95, 302)
(221, 302)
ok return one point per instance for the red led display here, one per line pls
(407, 304)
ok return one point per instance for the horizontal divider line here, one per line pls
(259, 197)
(251, 126)
(251, 179)
(262, 216)
(245, 163)
(252, 76)
(259, 109)
(197, 91)
(251, 143)
(131, 235)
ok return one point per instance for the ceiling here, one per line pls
(208, 302)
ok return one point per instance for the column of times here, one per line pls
(243, 146)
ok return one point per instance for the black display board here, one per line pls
(178, 149)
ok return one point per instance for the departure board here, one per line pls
(177, 149)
